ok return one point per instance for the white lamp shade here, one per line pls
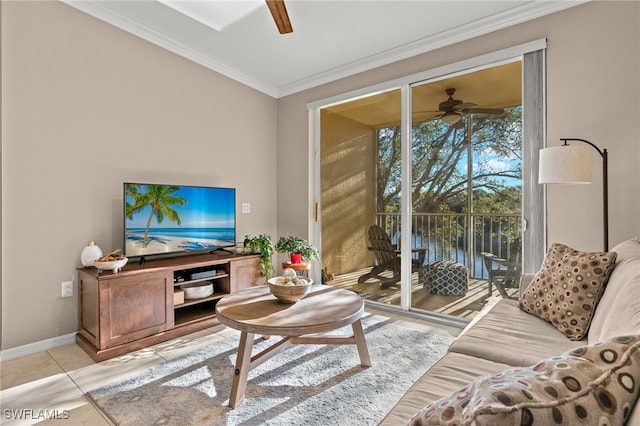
(566, 164)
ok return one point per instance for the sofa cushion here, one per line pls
(507, 335)
(618, 312)
(450, 373)
(567, 288)
(597, 384)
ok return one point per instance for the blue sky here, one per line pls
(488, 160)
(206, 207)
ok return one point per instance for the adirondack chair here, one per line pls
(503, 273)
(387, 258)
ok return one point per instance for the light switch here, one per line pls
(67, 289)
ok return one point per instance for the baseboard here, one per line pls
(41, 346)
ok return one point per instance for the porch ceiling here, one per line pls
(495, 87)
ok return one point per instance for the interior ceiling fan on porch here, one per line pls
(452, 109)
(280, 16)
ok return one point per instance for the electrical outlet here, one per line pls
(246, 207)
(67, 289)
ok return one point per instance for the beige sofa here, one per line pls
(502, 336)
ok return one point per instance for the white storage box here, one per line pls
(197, 290)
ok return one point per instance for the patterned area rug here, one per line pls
(304, 385)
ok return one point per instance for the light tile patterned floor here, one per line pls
(53, 383)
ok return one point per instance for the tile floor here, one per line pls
(53, 383)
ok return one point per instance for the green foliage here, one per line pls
(292, 244)
(159, 198)
(439, 183)
(261, 244)
(440, 159)
(508, 200)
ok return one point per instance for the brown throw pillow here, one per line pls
(590, 385)
(567, 288)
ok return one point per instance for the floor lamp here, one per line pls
(573, 164)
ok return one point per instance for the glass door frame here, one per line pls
(404, 84)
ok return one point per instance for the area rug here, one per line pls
(304, 385)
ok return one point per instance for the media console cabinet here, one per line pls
(133, 309)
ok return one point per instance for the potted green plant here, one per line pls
(297, 248)
(261, 244)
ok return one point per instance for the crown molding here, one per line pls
(522, 13)
(517, 15)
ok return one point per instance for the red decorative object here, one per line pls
(296, 258)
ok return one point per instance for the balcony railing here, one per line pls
(449, 236)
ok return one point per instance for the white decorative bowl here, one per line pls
(114, 265)
(289, 293)
(198, 290)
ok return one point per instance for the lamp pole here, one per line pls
(605, 183)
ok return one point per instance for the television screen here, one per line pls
(161, 219)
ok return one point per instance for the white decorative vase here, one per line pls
(90, 253)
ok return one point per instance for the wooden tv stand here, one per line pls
(133, 309)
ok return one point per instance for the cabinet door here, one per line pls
(89, 308)
(135, 306)
(244, 273)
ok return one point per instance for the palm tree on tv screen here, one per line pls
(159, 198)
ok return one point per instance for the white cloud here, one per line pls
(495, 165)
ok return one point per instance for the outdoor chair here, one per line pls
(503, 273)
(387, 257)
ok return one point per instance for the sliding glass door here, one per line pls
(466, 187)
(351, 196)
(428, 174)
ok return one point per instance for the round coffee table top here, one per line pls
(256, 310)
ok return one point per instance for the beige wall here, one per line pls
(593, 75)
(348, 204)
(85, 107)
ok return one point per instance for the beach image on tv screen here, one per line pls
(168, 219)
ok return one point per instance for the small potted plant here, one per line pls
(261, 244)
(297, 248)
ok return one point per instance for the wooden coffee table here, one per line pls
(256, 311)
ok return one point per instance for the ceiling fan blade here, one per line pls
(458, 124)
(280, 16)
(497, 111)
(464, 106)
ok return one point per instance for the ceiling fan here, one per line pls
(451, 109)
(280, 16)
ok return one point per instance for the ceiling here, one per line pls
(331, 39)
(495, 87)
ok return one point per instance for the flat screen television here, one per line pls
(171, 219)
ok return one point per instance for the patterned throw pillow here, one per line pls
(590, 385)
(567, 288)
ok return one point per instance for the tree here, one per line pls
(159, 198)
(439, 162)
